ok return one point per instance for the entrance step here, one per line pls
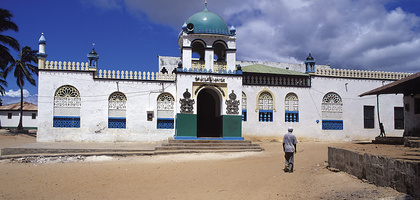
(413, 142)
(203, 145)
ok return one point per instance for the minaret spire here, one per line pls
(205, 5)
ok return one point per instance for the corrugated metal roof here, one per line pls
(407, 85)
(16, 106)
(264, 69)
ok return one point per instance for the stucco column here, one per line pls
(231, 60)
(186, 57)
(209, 58)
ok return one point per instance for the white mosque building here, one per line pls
(207, 94)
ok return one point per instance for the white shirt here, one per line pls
(289, 140)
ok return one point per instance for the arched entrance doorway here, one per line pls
(208, 114)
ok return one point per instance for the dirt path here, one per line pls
(187, 176)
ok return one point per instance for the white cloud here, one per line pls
(12, 93)
(346, 33)
(104, 4)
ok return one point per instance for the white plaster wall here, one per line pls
(310, 100)
(27, 120)
(231, 60)
(170, 63)
(141, 97)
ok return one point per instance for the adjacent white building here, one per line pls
(10, 115)
(207, 94)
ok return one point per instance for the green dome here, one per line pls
(207, 22)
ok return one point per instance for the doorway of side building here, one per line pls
(208, 114)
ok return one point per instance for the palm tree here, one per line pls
(2, 83)
(23, 69)
(5, 25)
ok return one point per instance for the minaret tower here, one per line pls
(310, 64)
(41, 52)
(207, 43)
(93, 58)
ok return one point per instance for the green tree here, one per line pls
(5, 25)
(2, 83)
(23, 70)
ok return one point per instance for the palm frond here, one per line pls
(5, 21)
(10, 41)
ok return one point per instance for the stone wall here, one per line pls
(402, 175)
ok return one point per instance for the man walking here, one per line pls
(289, 148)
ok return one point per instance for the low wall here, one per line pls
(402, 175)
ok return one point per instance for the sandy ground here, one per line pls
(256, 175)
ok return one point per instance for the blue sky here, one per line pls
(381, 35)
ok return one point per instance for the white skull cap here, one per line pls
(290, 129)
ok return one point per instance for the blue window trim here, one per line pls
(116, 118)
(265, 115)
(295, 116)
(291, 111)
(66, 121)
(165, 123)
(69, 117)
(166, 118)
(117, 122)
(332, 124)
(244, 117)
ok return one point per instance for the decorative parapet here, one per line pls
(58, 65)
(200, 64)
(108, 74)
(112, 74)
(294, 81)
(219, 65)
(360, 73)
(195, 70)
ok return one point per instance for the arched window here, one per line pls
(165, 111)
(198, 55)
(332, 112)
(220, 51)
(265, 106)
(244, 107)
(198, 49)
(291, 108)
(67, 105)
(117, 110)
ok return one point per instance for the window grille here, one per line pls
(265, 103)
(165, 111)
(67, 104)
(291, 107)
(332, 112)
(117, 102)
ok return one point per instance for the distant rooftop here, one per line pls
(264, 69)
(16, 106)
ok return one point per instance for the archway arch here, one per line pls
(198, 49)
(220, 50)
(209, 122)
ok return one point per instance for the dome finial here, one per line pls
(205, 5)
